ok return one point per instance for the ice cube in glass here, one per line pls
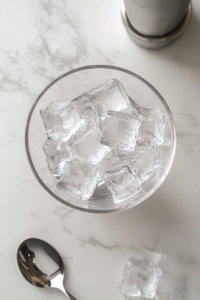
(133, 108)
(57, 153)
(122, 182)
(79, 178)
(109, 161)
(122, 155)
(120, 130)
(144, 160)
(87, 146)
(61, 119)
(140, 278)
(100, 180)
(152, 126)
(110, 95)
(86, 109)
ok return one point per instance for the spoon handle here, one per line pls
(71, 297)
(68, 295)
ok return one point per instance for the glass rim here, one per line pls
(89, 67)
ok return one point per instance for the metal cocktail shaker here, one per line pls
(156, 18)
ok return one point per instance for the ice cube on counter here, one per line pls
(157, 256)
(61, 119)
(57, 153)
(87, 146)
(79, 178)
(140, 279)
(152, 126)
(110, 95)
(122, 182)
(120, 130)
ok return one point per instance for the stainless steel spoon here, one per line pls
(41, 265)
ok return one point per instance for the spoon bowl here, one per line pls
(41, 265)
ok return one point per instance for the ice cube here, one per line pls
(120, 130)
(110, 161)
(61, 119)
(57, 153)
(132, 109)
(157, 256)
(79, 178)
(86, 146)
(144, 160)
(86, 109)
(123, 155)
(152, 126)
(140, 278)
(121, 182)
(108, 96)
(100, 180)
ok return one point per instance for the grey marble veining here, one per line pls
(92, 241)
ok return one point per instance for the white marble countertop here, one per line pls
(40, 40)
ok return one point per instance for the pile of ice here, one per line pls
(102, 137)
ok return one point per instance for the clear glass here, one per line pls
(69, 86)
